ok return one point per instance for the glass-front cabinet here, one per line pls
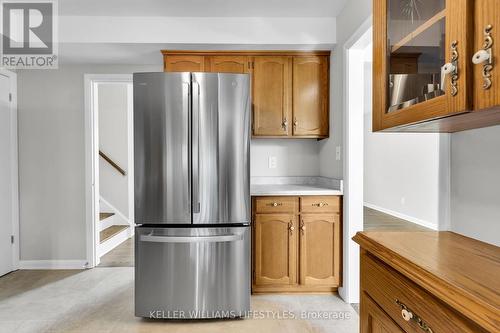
(422, 65)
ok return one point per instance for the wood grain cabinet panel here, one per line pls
(275, 249)
(229, 64)
(373, 319)
(272, 96)
(310, 96)
(487, 13)
(320, 204)
(319, 249)
(276, 205)
(184, 63)
(430, 281)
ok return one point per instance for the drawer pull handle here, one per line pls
(408, 315)
(320, 204)
(275, 204)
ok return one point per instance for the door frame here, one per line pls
(91, 82)
(14, 166)
(353, 160)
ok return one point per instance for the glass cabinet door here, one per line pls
(421, 62)
(416, 42)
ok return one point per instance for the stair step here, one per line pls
(103, 216)
(109, 232)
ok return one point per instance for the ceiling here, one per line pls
(203, 8)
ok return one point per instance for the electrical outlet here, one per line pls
(337, 153)
(403, 201)
(273, 162)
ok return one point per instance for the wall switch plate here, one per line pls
(337, 153)
(273, 162)
(403, 201)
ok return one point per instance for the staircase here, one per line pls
(114, 228)
(107, 231)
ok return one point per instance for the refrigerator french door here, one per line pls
(192, 195)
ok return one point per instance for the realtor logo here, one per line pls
(29, 34)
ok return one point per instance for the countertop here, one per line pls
(284, 186)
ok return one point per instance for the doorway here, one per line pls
(9, 194)
(109, 169)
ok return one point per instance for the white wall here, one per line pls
(475, 184)
(405, 174)
(348, 21)
(197, 30)
(295, 157)
(52, 160)
(351, 18)
(113, 141)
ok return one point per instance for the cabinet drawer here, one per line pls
(276, 204)
(393, 292)
(320, 204)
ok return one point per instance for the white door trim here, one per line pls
(353, 169)
(14, 166)
(92, 159)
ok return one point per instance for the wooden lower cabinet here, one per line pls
(374, 320)
(295, 251)
(428, 282)
(275, 249)
(319, 237)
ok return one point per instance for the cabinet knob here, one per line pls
(451, 69)
(485, 57)
(284, 124)
(407, 315)
(291, 228)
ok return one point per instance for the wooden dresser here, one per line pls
(428, 282)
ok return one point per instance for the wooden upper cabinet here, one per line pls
(310, 96)
(290, 89)
(319, 249)
(486, 74)
(229, 64)
(424, 79)
(184, 63)
(275, 251)
(271, 92)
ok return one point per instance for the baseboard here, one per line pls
(52, 264)
(403, 216)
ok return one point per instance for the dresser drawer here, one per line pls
(276, 204)
(320, 204)
(400, 298)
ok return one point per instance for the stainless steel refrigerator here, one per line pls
(192, 195)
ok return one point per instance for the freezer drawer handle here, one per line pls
(191, 239)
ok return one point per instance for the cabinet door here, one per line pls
(426, 35)
(319, 249)
(487, 89)
(310, 96)
(271, 96)
(228, 64)
(373, 319)
(184, 63)
(275, 249)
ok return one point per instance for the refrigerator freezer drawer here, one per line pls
(186, 273)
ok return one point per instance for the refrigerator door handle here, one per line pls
(190, 239)
(196, 147)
